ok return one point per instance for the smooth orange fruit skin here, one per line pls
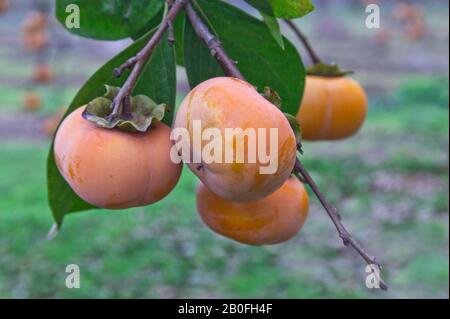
(226, 102)
(271, 220)
(332, 108)
(112, 169)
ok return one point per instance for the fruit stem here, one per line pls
(303, 39)
(139, 61)
(215, 47)
(346, 237)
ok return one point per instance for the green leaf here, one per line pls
(158, 81)
(266, 11)
(199, 63)
(178, 27)
(291, 9)
(109, 19)
(259, 58)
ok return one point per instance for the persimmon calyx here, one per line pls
(143, 112)
(327, 70)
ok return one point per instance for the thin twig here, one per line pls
(332, 212)
(314, 56)
(214, 45)
(138, 62)
(117, 72)
(171, 36)
(230, 69)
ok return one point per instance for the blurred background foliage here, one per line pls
(391, 181)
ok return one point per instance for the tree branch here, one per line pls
(332, 212)
(214, 45)
(230, 69)
(303, 39)
(138, 62)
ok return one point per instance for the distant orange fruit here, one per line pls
(43, 73)
(332, 108)
(4, 5)
(35, 41)
(32, 101)
(35, 21)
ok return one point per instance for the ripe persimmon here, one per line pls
(4, 5)
(332, 108)
(113, 169)
(35, 20)
(42, 73)
(271, 220)
(32, 101)
(225, 104)
(35, 41)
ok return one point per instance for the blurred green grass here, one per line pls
(390, 183)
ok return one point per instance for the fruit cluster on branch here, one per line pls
(233, 199)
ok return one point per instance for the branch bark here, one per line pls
(230, 69)
(303, 39)
(214, 45)
(332, 212)
(139, 60)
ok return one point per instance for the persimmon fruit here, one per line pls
(223, 103)
(332, 108)
(113, 169)
(271, 220)
(42, 73)
(4, 5)
(32, 101)
(35, 41)
(35, 20)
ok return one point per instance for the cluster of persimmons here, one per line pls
(35, 40)
(114, 169)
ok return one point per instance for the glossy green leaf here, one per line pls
(259, 57)
(108, 19)
(157, 81)
(199, 63)
(291, 9)
(266, 11)
(178, 27)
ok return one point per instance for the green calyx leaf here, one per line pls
(143, 112)
(295, 127)
(327, 70)
(272, 96)
(111, 91)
